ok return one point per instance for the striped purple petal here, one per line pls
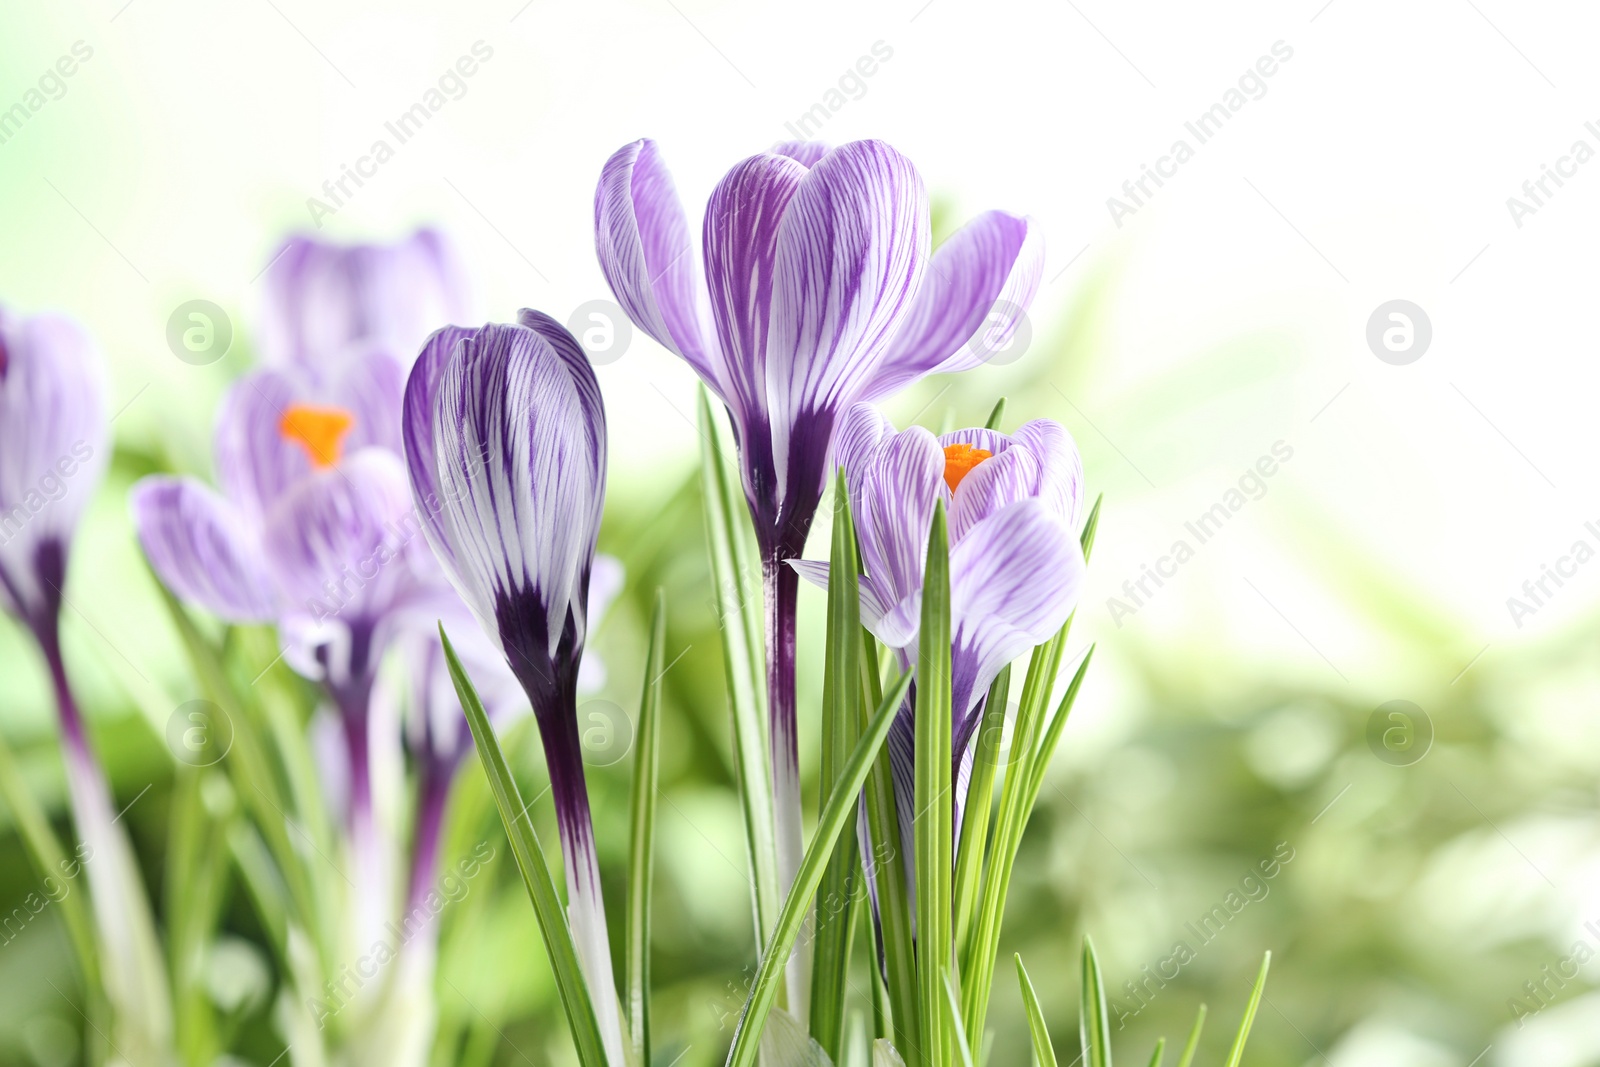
(806, 153)
(255, 463)
(976, 292)
(1039, 461)
(53, 449)
(202, 548)
(416, 433)
(643, 241)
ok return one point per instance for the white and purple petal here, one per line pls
(642, 238)
(973, 298)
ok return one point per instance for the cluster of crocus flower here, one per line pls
(816, 292)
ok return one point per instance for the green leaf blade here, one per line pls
(1044, 1053)
(642, 838)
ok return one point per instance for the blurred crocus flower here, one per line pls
(54, 442)
(816, 291)
(1016, 567)
(506, 443)
(313, 530)
(326, 302)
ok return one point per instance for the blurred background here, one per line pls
(1436, 863)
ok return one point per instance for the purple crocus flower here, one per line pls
(54, 443)
(506, 443)
(816, 291)
(326, 301)
(1016, 567)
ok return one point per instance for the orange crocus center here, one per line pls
(959, 459)
(318, 430)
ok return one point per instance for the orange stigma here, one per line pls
(959, 459)
(319, 430)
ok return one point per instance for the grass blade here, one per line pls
(1094, 1023)
(998, 413)
(535, 871)
(933, 823)
(1161, 1050)
(952, 1021)
(1237, 1052)
(840, 726)
(1191, 1045)
(642, 839)
(979, 805)
(744, 667)
(1044, 1053)
(841, 807)
(886, 868)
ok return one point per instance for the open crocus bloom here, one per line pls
(326, 302)
(505, 441)
(1016, 567)
(313, 528)
(816, 291)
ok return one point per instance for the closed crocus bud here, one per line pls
(53, 445)
(505, 439)
(325, 300)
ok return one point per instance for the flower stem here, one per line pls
(782, 587)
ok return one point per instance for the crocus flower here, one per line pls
(54, 443)
(326, 302)
(506, 444)
(1016, 566)
(816, 291)
(313, 530)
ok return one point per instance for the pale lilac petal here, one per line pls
(873, 606)
(325, 302)
(856, 441)
(894, 512)
(851, 252)
(807, 153)
(742, 224)
(974, 295)
(642, 238)
(370, 386)
(202, 549)
(340, 541)
(1013, 581)
(255, 463)
(606, 579)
